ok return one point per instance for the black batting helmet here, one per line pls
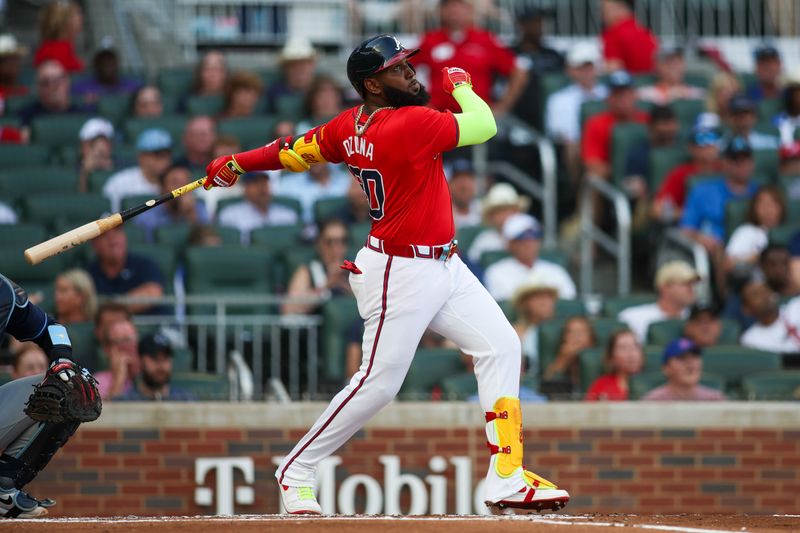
(374, 55)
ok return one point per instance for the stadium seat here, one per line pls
(666, 331)
(652, 358)
(165, 257)
(491, 257)
(23, 155)
(624, 138)
(591, 108)
(780, 385)
(174, 124)
(22, 234)
(767, 162)
(735, 362)
(35, 279)
(175, 236)
(84, 347)
(289, 260)
(181, 360)
(136, 234)
(688, 110)
(459, 387)
(326, 208)
(697, 79)
(98, 179)
(662, 161)
(229, 235)
(176, 81)
(783, 234)
(643, 383)
(57, 130)
(591, 366)
(64, 209)
(338, 313)
(735, 215)
(210, 105)
(278, 238)
(290, 106)
(115, 107)
(5, 378)
(604, 327)
(37, 180)
(428, 369)
(466, 236)
(768, 109)
(290, 202)
(206, 387)
(568, 308)
(549, 83)
(358, 233)
(14, 104)
(549, 337)
(251, 132)
(612, 306)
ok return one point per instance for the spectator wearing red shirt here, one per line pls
(458, 43)
(596, 141)
(704, 153)
(626, 44)
(60, 24)
(623, 358)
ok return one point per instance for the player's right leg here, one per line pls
(397, 297)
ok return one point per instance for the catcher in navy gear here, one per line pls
(38, 414)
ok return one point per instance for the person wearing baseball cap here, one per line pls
(704, 147)
(743, 117)
(96, 149)
(501, 202)
(670, 84)
(11, 54)
(674, 283)
(153, 382)
(768, 70)
(704, 325)
(682, 364)
(522, 234)
(154, 147)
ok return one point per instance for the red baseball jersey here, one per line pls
(398, 163)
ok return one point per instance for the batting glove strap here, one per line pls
(453, 78)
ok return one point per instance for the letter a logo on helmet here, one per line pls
(374, 55)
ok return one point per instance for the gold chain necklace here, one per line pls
(361, 129)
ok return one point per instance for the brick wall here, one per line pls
(151, 470)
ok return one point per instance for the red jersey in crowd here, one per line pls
(479, 52)
(675, 184)
(596, 141)
(632, 44)
(61, 51)
(398, 163)
(606, 388)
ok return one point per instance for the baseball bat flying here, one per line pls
(70, 239)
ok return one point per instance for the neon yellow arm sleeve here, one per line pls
(476, 123)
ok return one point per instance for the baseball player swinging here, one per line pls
(38, 414)
(407, 277)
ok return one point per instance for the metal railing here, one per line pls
(592, 235)
(702, 264)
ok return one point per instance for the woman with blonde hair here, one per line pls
(75, 297)
(724, 85)
(59, 26)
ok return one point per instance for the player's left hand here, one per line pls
(453, 78)
(68, 393)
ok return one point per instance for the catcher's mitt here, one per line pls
(68, 393)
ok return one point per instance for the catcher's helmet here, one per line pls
(374, 55)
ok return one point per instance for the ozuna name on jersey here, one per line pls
(358, 145)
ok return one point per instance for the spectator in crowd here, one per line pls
(105, 80)
(242, 92)
(321, 277)
(7, 215)
(704, 325)
(317, 183)
(60, 23)
(29, 360)
(120, 346)
(766, 211)
(501, 202)
(210, 75)
(11, 54)
(204, 235)
(794, 250)
(357, 209)
(298, 62)
(464, 192)
(107, 314)
(775, 270)
(596, 141)
(224, 145)
(538, 59)
(147, 102)
(703, 160)
(96, 149)
(577, 335)
(789, 169)
(154, 380)
(198, 142)
(75, 297)
(743, 118)
(670, 85)
(703, 218)
(563, 111)
(116, 272)
(626, 45)
(257, 209)
(788, 120)
(154, 155)
(323, 101)
(682, 364)
(768, 84)
(776, 327)
(459, 43)
(724, 86)
(185, 209)
(535, 303)
(623, 359)
(522, 234)
(674, 284)
(663, 129)
(52, 94)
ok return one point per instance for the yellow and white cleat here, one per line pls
(538, 495)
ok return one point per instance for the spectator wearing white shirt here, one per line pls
(776, 328)
(7, 215)
(257, 209)
(320, 181)
(675, 286)
(522, 234)
(670, 85)
(154, 147)
(501, 202)
(563, 111)
(767, 210)
(463, 191)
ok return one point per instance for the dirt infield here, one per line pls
(441, 524)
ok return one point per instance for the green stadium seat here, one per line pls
(590, 109)
(508, 310)
(590, 363)
(34, 278)
(37, 180)
(643, 383)
(14, 104)
(491, 257)
(81, 335)
(115, 107)
(782, 235)
(165, 257)
(136, 234)
(290, 106)
(176, 81)
(338, 313)
(624, 138)
(5, 378)
(459, 387)
(652, 358)
(612, 306)
(735, 362)
(466, 235)
(290, 202)
(550, 83)
(174, 124)
(767, 162)
(23, 155)
(64, 209)
(211, 105)
(688, 110)
(229, 235)
(181, 360)
(358, 233)
(206, 387)
(697, 79)
(604, 327)
(98, 179)
(768, 109)
(428, 369)
(22, 234)
(780, 385)
(662, 161)
(251, 132)
(326, 208)
(666, 331)
(735, 215)
(175, 236)
(58, 130)
(278, 238)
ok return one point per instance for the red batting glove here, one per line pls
(453, 78)
(222, 172)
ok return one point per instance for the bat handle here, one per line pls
(61, 243)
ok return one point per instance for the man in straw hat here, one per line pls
(298, 61)
(500, 202)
